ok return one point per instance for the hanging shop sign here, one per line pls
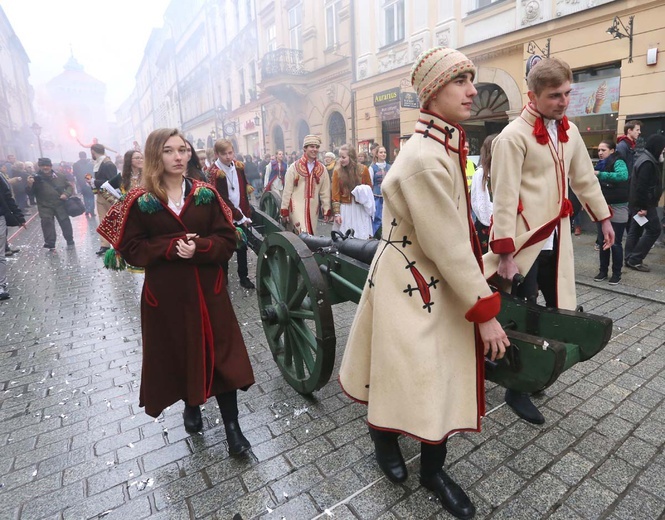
(410, 100)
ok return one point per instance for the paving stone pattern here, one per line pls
(75, 445)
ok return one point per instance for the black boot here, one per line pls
(192, 419)
(388, 454)
(238, 444)
(228, 406)
(521, 404)
(432, 477)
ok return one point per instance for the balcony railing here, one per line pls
(282, 62)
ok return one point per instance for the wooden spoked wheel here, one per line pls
(295, 311)
(270, 203)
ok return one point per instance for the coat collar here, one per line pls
(535, 120)
(450, 135)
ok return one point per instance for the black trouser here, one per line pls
(48, 228)
(616, 251)
(241, 258)
(228, 405)
(641, 239)
(541, 276)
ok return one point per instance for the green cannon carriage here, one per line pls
(300, 277)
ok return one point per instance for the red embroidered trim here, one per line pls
(204, 250)
(149, 297)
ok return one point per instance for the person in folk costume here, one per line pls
(306, 182)
(103, 170)
(228, 176)
(181, 231)
(533, 160)
(274, 175)
(377, 172)
(348, 211)
(426, 318)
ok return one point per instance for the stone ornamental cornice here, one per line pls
(488, 55)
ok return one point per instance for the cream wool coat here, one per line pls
(533, 178)
(303, 210)
(411, 353)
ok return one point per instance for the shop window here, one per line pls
(393, 21)
(594, 104)
(295, 27)
(336, 130)
(332, 22)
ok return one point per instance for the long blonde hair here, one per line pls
(153, 166)
(350, 175)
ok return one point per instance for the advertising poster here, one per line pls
(594, 97)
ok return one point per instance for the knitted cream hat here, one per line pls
(437, 67)
(311, 139)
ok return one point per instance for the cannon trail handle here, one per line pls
(518, 280)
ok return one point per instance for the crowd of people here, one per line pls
(413, 354)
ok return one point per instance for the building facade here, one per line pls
(305, 78)
(16, 96)
(500, 36)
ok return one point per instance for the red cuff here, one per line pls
(284, 212)
(237, 214)
(502, 246)
(328, 213)
(484, 309)
(199, 243)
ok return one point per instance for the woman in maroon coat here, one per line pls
(181, 231)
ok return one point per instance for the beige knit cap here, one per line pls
(311, 139)
(437, 67)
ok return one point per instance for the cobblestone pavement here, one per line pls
(74, 444)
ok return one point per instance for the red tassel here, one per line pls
(562, 129)
(540, 131)
(566, 208)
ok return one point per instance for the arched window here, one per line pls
(336, 130)
(277, 139)
(303, 130)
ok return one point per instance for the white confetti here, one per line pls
(328, 512)
(285, 495)
(299, 411)
(131, 445)
(267, 508)
(34, 473)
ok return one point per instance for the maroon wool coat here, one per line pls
(192, 344)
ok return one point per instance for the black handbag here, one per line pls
(74, 206)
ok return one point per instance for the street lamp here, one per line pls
(38, 131)
(615, 32)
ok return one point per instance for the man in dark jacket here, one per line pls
(645, 191)
(83, 174)
(51, 190)
(10, 215)
(626, 143)
(104, 170)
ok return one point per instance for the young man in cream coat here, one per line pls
(533, 160)
(426, 319)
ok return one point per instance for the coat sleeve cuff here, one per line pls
(593, 215)
(170, 251)
(284, 212)
(502, 246)
(484, 309)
